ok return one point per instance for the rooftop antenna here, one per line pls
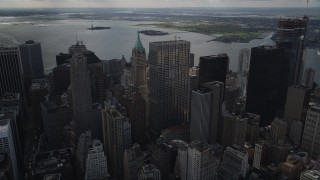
(307, 7)
(76, 35)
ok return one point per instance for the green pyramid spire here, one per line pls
(138, 45)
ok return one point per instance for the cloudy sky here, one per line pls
(158, 3)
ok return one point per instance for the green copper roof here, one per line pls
(138, 44)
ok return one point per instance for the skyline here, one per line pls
(154, 3)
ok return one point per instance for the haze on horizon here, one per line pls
(153, 3)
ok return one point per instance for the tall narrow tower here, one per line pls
(81, 93)
(139, 63)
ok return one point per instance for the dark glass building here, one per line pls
(267, 84)
(213, 68)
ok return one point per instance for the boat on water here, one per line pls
(98, 27)
(318, 52)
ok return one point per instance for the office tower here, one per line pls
(139, 65)
(132, 162)
(96, 164)
(310, 139)
(243, 70)
(213, 68)
(202, 161)
(31, 59)
(136, 107)
(6, 171)
(206, 105)
(234, 130)
(231, 98)
(96, 123)
(54, 118)
(267, 84)
(11, 80)
(81, 93)
(37, 92)
(84, 144)
(252, 133)
(9, 142)
(149, 172)
(61, 79)
(308, 77)
(278, 130)
(116, 137)
(234, 164)
(296, 132)
(291, 37)
(127, 77)
(298, 98)
(169, 63)
(56, 163)
(260, 155)
(310, 175)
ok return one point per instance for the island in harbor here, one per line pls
(153, 33)
(98, 27)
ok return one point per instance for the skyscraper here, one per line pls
(311, 134)
(169, 72)
(243, 70)
(278, 130)
(132, 162)
(149, 172)
(205, 119)
(116, 137)
(31, 58)
(291, 37)
(267, 84)
(234, 130)
(81, 93)
(213, 68)
(139, 65)
(61, 78)
(11, 80)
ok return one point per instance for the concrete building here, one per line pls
(267, 84)
(311, 135)
(127, 77)
(96, 163)
(79, 47)
(11, 79)
(234, 164)
(292, 167)
(234, 130)
(181, 165)
(116, 137)
(243, 70)
(149, 172)
(310, 175)
(278, 130)
(63, 58)
(206, 105)
(260, 155)
(308, 77)
(169, 63)
(297, 105)
(31, 59)
(132, 162)
(81, 93)
(202, 161)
